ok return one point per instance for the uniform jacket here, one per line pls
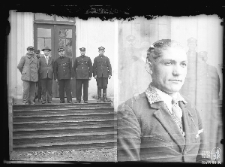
(102, 66)
(63, 68)
(146, 132)
(28, 66)
(82, 67)
(46, 68)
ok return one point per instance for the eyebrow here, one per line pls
(164, 60)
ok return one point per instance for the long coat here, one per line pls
(146, 132)
(63, 68)
(82, 67)
(28, 66)
(102, 66)
(46, 68)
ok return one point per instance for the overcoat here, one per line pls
(28, 66)
(146, 132)
(102, 66)
(63, 68)
(82, 67)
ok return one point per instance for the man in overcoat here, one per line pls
(159, 125)
(46, 64)
(83, 73)
(28, 66)
(102, 70)
(63, 75)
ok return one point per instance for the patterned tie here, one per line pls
(176, 109)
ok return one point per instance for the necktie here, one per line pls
(176, 109)
(47, 59)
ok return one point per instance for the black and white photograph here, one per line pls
(117, 90)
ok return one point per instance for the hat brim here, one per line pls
(46, 49)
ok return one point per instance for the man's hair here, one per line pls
(156, 49)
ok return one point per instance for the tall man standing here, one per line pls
(63, 74)
(28, 66)
(83, 73)
(102, 70)
(46, 75)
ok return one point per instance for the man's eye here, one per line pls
(183, 64)
(168, 63)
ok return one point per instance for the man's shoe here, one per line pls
(69, 101)
(62, 101)
(85, 101)
(32, 103)
(49, 102)
(77, 101)
(43, 102)
(25, 103)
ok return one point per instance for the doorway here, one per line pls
(55, 36)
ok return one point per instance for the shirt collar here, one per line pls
(155, 95)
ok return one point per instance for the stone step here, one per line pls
(63, 125)
(63, 132)
(77, 146)
(47, 113)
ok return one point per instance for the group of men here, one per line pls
(40, 70)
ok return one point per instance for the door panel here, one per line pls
(55, 36)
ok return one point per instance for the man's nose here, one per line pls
(177, 70)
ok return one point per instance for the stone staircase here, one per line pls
(63, 126)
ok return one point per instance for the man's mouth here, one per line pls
(175, 80)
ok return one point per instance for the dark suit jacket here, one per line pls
(44, 67)
(82, 67)
(63, 68)
(148, 133)
(102, 67)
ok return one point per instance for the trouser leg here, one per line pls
(49, 90)
(32, 92)
(26, 87)
(61, 90)
(85, 89)
(39, 90)
(68, 90)
(43, 92)
(78, 89)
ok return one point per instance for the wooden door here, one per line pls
(55, 36)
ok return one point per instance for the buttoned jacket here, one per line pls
(63, 68)
(82, 67)
(147, 132)
(46, 67)
(28, 66)
(102, 66)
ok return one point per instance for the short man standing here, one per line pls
(46, 75)
(102, 70)
(63, 75)
(83, 73)
(28, 66)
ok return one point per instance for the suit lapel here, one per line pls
(169, 125)
(190, 126)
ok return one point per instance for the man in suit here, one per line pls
(46, 75)
(38, 84)
(83, 73)
(102, 70)
(28, 66)
(63, 75)
(159, 125)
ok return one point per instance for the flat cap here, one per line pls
(192, 40)
(61, 49)
(83, 49)
(30, 48)
(101, 48)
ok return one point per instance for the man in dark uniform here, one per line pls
(102, 70)
(83, 73)
(63, 74)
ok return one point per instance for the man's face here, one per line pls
(82, 53)
(192, 46)
(101, 52)
(169, 71)
(62, 53)
(31, 51)
(46, 52)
